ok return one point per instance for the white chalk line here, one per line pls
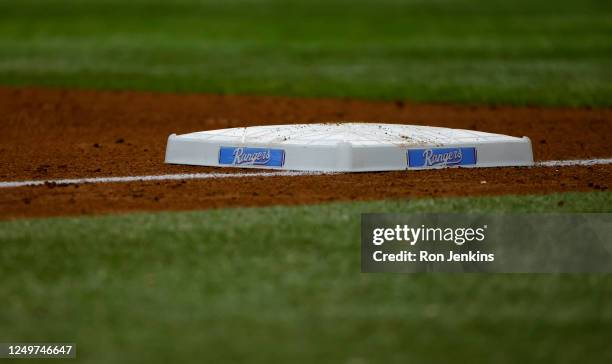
(186, 176)
(575, 162)
(163, 177)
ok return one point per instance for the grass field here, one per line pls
(520, 52)
(282, 284)
(230, 285)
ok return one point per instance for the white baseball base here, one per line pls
(348, 147)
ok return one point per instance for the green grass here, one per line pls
(518, 52)
(282, 284)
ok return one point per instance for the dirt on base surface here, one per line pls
(52, 134)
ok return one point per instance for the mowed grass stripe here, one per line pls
(545, 52)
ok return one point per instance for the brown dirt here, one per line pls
(48, 133)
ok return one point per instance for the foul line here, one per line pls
(576, 162)
(163, 177)
(185, 176)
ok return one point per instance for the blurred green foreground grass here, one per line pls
(283, 284)
(479, 51)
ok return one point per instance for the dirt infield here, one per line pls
(49, 134)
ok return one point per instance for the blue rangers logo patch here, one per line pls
(245, 156)
(441, 157)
